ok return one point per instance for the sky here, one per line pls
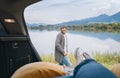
(59, 11)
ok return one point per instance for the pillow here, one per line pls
(39, 70)
(116, 70)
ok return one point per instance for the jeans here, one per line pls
(66, 61)
(89, 68)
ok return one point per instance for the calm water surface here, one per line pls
(44, 41)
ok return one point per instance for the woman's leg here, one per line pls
(89, 68)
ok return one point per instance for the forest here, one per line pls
(93, 27)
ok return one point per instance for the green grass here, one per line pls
(107, 59)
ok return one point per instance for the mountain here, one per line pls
(35, 24)
(116, 17)
(99, 19)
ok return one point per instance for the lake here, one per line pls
(44, 41)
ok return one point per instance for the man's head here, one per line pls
(64, 29)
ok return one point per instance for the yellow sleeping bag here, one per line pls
(116, 70)
(39, 70)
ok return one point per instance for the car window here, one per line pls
(2, 29)
(91, 26)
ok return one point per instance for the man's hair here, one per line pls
(63, 27)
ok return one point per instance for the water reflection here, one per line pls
(44, 41)
(100, 35)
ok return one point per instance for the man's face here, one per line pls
(63, 30)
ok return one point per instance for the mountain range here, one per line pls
(104, 18)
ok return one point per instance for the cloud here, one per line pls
(115, 1)
(57, 11)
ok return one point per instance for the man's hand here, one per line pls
(65, 53)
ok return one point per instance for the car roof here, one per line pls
(13, 9)
(13, 6)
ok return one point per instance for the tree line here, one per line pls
(93, 27)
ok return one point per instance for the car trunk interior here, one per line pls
(15, 46)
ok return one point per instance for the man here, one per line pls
(61, 48)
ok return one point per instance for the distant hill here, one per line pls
(35, 24)
(99, 19)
